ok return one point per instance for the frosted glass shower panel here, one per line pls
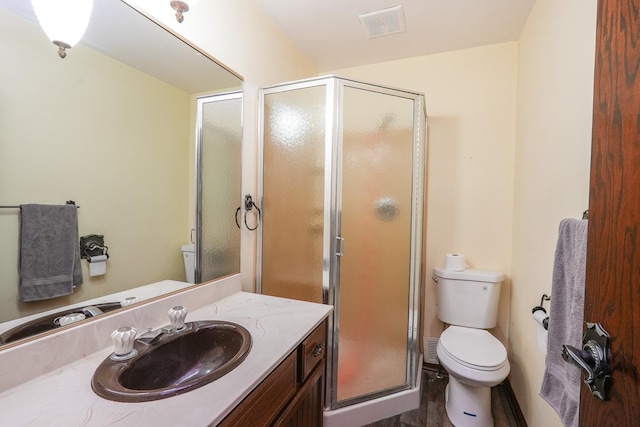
(220, 174)
(293, 189)
(377, 153)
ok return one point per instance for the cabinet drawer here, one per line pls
(312, 350)
(265, 402)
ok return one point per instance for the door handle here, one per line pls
(594, 359)
(342, 246)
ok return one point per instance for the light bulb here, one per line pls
(63, 21)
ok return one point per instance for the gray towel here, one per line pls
(561, 380)
(49, 251)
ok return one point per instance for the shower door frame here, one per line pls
(332, 221)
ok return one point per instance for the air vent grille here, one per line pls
(431, 350)
(383, 22)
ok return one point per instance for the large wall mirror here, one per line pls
(112, 127)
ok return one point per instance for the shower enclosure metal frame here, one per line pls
(332, 221)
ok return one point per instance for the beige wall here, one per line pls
(67, 131)
(470, 98)
(239, 35)
(555, 90)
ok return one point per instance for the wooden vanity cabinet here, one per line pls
(292, 395)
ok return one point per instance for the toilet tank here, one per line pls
(468, 298)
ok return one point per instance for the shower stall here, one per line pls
(342, 178)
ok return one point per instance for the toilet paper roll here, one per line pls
(455, 262)
(97, 265)
(541, 318)
(541, 339)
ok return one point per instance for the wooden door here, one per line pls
(613, 251)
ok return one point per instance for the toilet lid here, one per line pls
(473, 347)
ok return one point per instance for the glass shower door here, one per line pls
(375, 225)
(219, 167)
(293, 193)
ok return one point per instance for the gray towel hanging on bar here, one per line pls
(49, 251)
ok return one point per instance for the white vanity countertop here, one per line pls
(63, 397)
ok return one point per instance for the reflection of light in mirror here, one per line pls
(289, 125)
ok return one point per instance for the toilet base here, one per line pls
(468, 406)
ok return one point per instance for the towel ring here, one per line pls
(248, 205)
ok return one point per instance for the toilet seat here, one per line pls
(473, 348)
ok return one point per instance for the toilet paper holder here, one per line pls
(540, 314)
(92, 245)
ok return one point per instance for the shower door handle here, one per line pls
(342, 246)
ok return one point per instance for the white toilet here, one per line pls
(189, 256)
(475, 359)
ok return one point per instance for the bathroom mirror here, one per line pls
(112, 127)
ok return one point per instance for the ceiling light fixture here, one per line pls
(181, 7)
(63, 21)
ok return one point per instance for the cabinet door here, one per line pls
(305, 410)
(262, 406)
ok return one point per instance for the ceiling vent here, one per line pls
(383, 22)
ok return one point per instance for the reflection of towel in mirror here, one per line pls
(49, 251)
(561, 380)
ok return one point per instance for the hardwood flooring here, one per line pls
(432, 412)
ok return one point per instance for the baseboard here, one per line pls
(511, 400)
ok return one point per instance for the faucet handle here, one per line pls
(177, 315)
(123, 339)
(128, 301)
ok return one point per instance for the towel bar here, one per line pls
(69, 202)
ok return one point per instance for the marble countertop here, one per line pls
(63, 396)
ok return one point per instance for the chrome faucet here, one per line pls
(150, 337)
(91, 311)
(177, 315)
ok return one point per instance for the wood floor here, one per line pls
(432, 412)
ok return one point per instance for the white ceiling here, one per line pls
(330, 34)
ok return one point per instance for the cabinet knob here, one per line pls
(317, 351)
